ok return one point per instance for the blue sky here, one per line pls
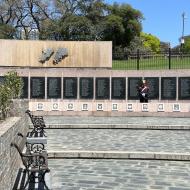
(163, 18)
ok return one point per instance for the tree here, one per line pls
(130, 22)
(24, 15)
(84, 19)
(9, 89)
(164, 46)
(151, 42)
(72, 20)
(186, 47)
(76, 28)
(114, 29)
(6, 31)
(14, 82)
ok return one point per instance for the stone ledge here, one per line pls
(119, 155)
(116, 126)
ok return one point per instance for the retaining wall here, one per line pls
(10, 159)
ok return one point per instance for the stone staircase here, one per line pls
(119, 153)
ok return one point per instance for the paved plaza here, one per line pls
(95, 174)
(119, 140)
(119, 174)
(117, 120)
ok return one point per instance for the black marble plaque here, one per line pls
(133, 83)
(24, 92)
(118, 90)
(86, 88)
(153, 84)
(102, 88)
(54, 87)
(168, 88)
(184, 88)
(2, 78)
(37, 87)
(70, 87)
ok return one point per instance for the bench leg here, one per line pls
(42, 178)
(30, 178)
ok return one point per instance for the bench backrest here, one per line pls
(24, 159)
(37, 121)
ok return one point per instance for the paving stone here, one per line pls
(129, 140)
(154, 121)
(122, 175)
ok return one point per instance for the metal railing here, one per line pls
(151, 61)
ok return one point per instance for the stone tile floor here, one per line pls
(117, 120)
(95, 174)
(118, 174)
(119, 140)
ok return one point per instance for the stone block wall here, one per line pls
(10, 160)
(18, 108)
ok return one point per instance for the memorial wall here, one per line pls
(104, 88)
(78, 76)
(59, 54)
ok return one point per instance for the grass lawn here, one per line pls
(151, 64)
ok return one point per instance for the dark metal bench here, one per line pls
(33, 144)
(35, 163)
(38, 123)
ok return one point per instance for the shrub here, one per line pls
(9, 89)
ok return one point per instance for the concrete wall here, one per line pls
(9, 158)
(108, 107)
(26, 53)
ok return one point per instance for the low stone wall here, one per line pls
(9, 158)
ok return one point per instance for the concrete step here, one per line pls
(117, 126)
(118, 155)
(120, 143)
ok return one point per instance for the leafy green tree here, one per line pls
(186, 47)
(6, 31)
(14, 82)
(135, 45)
(9, 89)
(76, 28)
(114, 29)
(130, 22)
(151, 42)
(5, 100)
(164, 46)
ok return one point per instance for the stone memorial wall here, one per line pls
(168, 88)
(37, 87)
(70, 88)
(133, 83)
(54, 87)
(24, 93)
(86, 88)
(118, 88)
(153, 83)
(104, 88)
(184, 88)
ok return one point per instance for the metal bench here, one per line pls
(33, 144)
(38, 123)
(35, 163)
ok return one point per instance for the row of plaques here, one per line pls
(100, 107)
(102, 88)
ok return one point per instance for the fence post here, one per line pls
(169, 58)
(138, 58)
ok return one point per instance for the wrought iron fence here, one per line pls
(150, 61)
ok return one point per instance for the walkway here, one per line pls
(153, 152)
(95, 174)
